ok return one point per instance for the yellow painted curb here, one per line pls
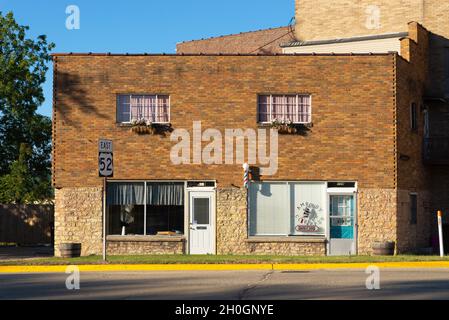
(137, 267)
(385, 265)
(221, 267)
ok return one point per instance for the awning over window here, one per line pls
(165, 194)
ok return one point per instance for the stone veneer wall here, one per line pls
(78, 218)
(376, 217)
(414, 237)
(232, 231)
(231, 221)
(145, 247)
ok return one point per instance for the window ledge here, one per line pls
(146, 238)
(129, 125)
(123, 125)
(298, 239)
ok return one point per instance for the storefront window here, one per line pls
(126, 208)
(165, 209)
(287, 209)
(308, 206)
(145, 208)
(269, 213)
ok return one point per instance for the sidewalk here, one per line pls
(24, 252)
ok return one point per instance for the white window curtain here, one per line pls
(165, 194)
(269, 214)
(304, 112)
(143, 107)
(294, 108)
(153, 108)
(125, 194)
(278, 108)
(163, 106)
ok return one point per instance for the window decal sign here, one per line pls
(309, 218)
(309, 205)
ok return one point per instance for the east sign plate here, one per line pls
(105, 158)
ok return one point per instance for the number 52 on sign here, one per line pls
(105, 158)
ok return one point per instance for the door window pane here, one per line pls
(342, 216)
(201, 210)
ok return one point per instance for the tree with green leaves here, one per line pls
(25, 136)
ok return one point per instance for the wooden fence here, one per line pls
(26, 224)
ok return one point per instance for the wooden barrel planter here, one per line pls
(383, 248)
(70, 250)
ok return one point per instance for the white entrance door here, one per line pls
(202, 222)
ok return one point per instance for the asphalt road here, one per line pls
(230, 285)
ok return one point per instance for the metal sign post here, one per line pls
(440, 232)
(105, 170)
(104, 218)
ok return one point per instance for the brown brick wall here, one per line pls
(413, 175)
(353, 114)
(411, 76)
(261, 41)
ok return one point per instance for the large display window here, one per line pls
(287, 208)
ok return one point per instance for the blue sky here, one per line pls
(142, 26)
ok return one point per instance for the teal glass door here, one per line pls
(342, 214)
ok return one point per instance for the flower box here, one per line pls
(143, 129)
(143, 126)
(286, 129)
(283, 126)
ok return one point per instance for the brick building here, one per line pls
(346, 172)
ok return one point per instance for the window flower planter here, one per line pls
(285, 129)
(143, 126)
(288, 127)
(142, 129)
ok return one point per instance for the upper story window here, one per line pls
(152, 108)
(413, 208)
(446, 76)
(413, 117)
(296, 108)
